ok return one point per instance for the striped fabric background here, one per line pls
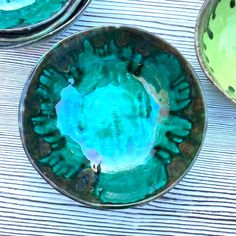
(203, 203)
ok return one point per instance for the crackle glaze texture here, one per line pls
(26, 13)
(112, 116)
(217, 42)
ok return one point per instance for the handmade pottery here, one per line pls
(112, 117)
(215, 44)
(74, 10)
(19, 16)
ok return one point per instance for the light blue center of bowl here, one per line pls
(113, 128)
(10, 5)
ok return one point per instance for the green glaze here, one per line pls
(217, 44)
(112, 117)
(26, 13)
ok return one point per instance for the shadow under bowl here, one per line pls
(112, 117)
(215, 35)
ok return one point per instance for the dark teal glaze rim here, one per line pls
(43, 23)
(105, 206)
(6, 43)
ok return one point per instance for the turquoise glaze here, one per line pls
(113, 118)
(22, 38)
(16, 14)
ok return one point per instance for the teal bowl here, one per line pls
(112, 117)
(74, 10)
(22, 16)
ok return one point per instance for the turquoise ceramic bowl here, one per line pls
(74, 10)
(112, 117)
(22, 16)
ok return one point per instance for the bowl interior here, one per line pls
(217, 48)
(112, 116)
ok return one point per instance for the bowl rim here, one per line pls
(39, 24)
(109, 205)
(201, 61)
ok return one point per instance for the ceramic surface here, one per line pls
(24, 15)
(215, 44)
(112, 117)
(74, 10)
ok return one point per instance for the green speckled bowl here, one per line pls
(112, 117)
(215, 44)
(20, 16)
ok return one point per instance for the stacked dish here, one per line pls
(24, 22)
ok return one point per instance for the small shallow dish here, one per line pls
(112, 117)
(215, 44)
(74, 10)
(20, 16)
